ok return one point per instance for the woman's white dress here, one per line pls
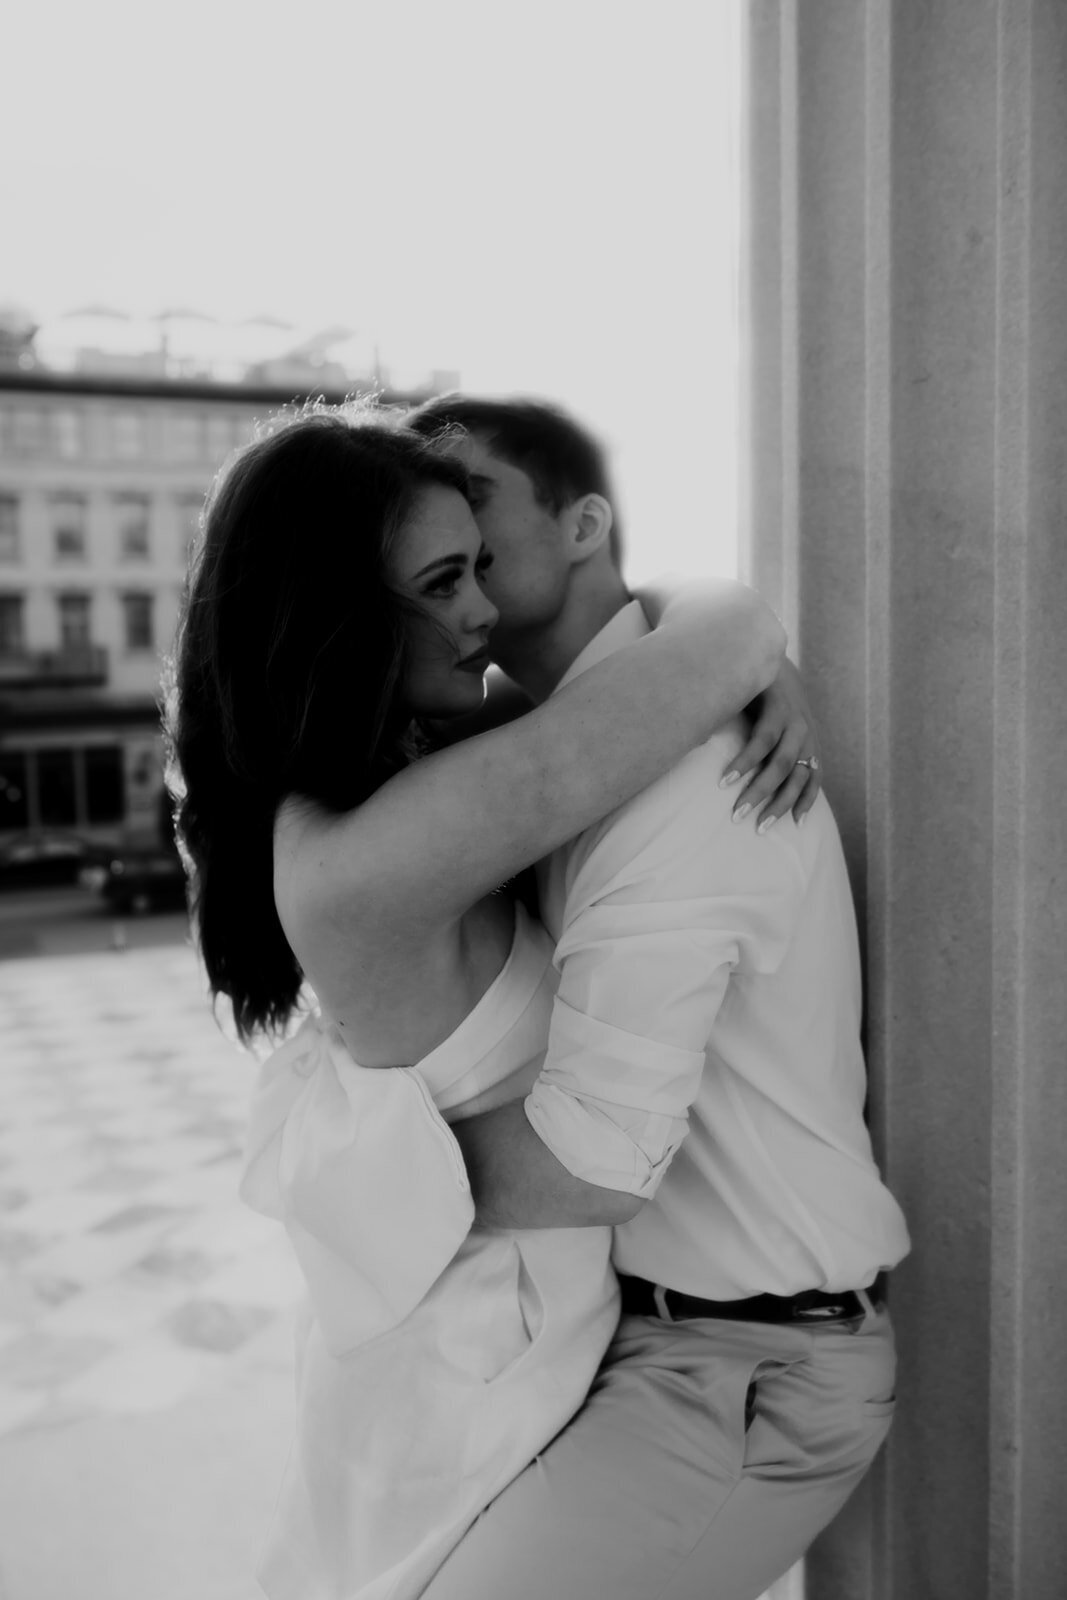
(433, 1363)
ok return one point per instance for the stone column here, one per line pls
(905, 310)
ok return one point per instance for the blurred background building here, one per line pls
(111, 431)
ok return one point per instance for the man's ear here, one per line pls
(589, 522)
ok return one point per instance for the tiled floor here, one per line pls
(133, 1282)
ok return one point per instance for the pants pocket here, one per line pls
(531, 1313)
(494, 1312)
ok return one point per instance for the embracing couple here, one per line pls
(576, 1172)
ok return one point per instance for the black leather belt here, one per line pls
(644, 1299)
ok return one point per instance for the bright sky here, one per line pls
(539, 195)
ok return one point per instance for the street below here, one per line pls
(74, 920)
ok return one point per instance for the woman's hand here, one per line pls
(781, 760)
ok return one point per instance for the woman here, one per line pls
(334, 612)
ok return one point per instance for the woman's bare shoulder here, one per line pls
(305, 877)
(396, 997)
(298, 823)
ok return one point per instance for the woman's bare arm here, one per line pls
(427, 845)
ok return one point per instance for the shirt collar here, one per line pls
(625, 626)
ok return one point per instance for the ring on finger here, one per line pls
(811, 762)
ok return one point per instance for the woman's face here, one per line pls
(438, 561)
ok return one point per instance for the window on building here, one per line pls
(105, 784)
(14, 805)
(132, 518)
(57, 788)
(137, 611)
(184, 436)
(128, 435)
(67, 435)
(75, 621)
(12, 638)
(9, 527)
(28, 432)
(190, 507)
(68, 527)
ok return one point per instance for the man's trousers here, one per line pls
(706, 1458)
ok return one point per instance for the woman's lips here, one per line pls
(478, 662)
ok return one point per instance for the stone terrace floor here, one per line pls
(145, 1313)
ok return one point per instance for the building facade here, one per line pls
(102, 482)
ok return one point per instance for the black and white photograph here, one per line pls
(533, 850)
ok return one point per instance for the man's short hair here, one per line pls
(561, 459)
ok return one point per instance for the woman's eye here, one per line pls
(445, 586)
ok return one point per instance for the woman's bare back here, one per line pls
(394, 996)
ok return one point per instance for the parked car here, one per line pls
(49, 856)
(149, 879)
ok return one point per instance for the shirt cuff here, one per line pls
(612, 1106)
(604, 1144)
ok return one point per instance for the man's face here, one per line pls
(528, 579)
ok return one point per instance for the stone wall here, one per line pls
(905, 306)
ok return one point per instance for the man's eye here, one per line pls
(483, 563)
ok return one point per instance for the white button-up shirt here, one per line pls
(705, 1042)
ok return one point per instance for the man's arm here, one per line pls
(667, 902)
(516, 1181)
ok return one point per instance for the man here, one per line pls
(703, 1092)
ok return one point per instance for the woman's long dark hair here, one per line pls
(286, 670)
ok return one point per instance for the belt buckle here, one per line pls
(853, 1320)
(659, 1300)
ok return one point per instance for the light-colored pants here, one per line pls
(707, 1457)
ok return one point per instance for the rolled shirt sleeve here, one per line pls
(664, 901)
